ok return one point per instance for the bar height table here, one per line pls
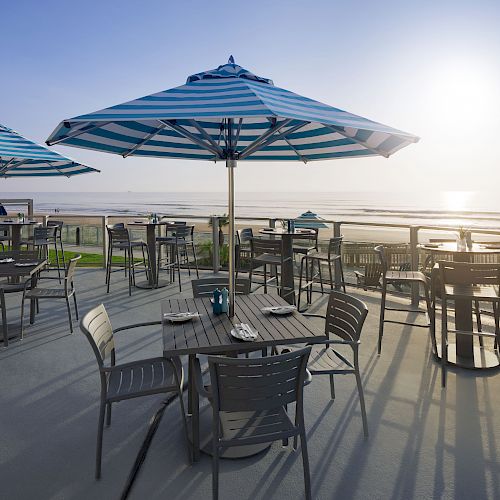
(464, 353)
(153, 281)
(287, 278)
(16, 226)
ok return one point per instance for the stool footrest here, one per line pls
(428, 325)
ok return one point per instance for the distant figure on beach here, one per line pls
(56, 210)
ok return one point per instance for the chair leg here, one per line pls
(110, 260)
(361, 396)
(57, 260)
(477, 311)
(195, 260)
(444, 340)
(178, 264)
(382, 316)
(128, 258)
(320, 277)
(22, 315)
(432, 319)
(330, 272)
(497, 324)
(70, 319)
(265, 278)
(305, 463)
(100, 428)
(215, 471)
(62, 251)
(108, 414)
(332, 386)
(5, 327)
(300, 282)
(341, 268)
(76, 306)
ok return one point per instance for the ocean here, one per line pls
(464, 208)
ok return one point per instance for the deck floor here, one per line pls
(424, 442)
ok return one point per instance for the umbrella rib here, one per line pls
(76, 133)
(301, 157)
(256, 144)
(10, 166)
(207, 137)
(144, 141)
(272, 138)
(58, 169)
(238, 130)
(188, 135)
(361, 143)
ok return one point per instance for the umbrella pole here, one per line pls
(231, 165)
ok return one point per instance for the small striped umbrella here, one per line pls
(20, 157)
(310, 220)
(230, 114)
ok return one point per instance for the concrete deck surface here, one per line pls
(425, 442)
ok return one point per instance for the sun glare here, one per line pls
(457, 201)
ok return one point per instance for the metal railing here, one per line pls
(413, 234)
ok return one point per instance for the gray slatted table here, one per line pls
(210, 334)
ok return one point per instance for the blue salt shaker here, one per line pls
(225, 302)
(216, 306)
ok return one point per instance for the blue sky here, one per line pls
(430, 68)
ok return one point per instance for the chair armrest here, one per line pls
(340, 342)
(198, 379)
(307, 315)
(308, 378)
(136, 325)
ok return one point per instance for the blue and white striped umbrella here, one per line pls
(20, 157)
(310, 220)
(230, 114)
(192, 122)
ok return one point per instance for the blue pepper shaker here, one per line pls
(225, 302)
(216, 306)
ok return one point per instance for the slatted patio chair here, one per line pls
(65, 292)
(333, 258)
(390, 277)
(249, 399)
(128, 380)
(243, 248)
(266, 252)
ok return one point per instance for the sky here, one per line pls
(431, 68)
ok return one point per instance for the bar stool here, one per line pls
(266, 252)
(333, 256)
(119, 239)
(243, 248)
(391, 277)
(310, 240)
(181, 239)
(43, 238)
(58, 224)
(467, 281)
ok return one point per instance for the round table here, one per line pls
(153, 281)
(16, 226)
(287, 279)
(464, 353)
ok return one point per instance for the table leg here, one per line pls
(34, 280)
(194, 409)
(16, 237)
(152, 281)
(287, 281)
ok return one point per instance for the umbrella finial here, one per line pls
(230, 60)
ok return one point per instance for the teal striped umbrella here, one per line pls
(230, 114)
(20, 157)
(310, 220)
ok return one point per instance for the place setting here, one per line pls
(181, 317)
